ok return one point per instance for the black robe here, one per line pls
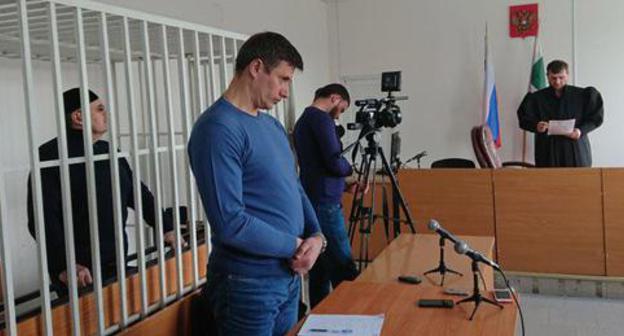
(584, 105)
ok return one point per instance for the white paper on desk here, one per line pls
(561, 127)
(345, 325)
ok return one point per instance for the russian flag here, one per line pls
(490, 97)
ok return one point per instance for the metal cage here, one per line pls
(156, 75)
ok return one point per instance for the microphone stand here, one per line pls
(442, 268)
(416, 157)
(476, 297)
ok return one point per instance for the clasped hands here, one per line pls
(542, 127)
(307, 252)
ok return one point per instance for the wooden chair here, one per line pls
(486, 152)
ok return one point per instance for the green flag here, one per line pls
(538, 72)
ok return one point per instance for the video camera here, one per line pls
(377, 113)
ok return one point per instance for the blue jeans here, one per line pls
(254, 306)
(336, 263)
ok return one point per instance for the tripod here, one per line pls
(364, 217)
(476, 297)
(442, 269)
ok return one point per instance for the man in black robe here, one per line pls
(560, 101)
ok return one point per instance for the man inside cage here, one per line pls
(53, 200)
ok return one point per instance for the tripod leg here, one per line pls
(366, 217)
(386, 210)
(448, 270)
(358, 200)
(474, 311)
(395, 186)
(396, 213)
(468, 299)
(492, 302)
(435, 270)
(372, 166)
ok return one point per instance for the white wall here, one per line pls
(599, 60)
(439, 46)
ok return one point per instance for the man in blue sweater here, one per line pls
(323, 172)
(264, 229)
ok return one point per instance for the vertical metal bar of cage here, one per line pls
(6, 271)
(290, 108)
(136, 181)
(115, 80)
(224, 69)
(208, 87)
(90, 169)
(68, 226)
(114, 164)
(35, 167)
(192, 106)
(143, 113)
(201, 103)
(234, 52)
(173, 162)
(213, 71)
(156, 112)
(154, 162)
(191, 83)
(215, 95)
(210, 100)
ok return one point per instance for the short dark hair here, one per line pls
(270, 48)
(331, 89)
(557, 66)
(72, 103)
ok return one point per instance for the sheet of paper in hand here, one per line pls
(561, 127)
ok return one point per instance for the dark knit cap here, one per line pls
(71, 99)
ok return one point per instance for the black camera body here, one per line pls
(377, 113)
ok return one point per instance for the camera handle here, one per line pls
(348, 148)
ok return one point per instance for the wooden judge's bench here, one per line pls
(572, 219)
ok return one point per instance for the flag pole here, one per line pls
(485, 60)
(524, 133)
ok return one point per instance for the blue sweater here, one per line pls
(247, 180)
(318, 149)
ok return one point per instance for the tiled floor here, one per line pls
(571, 316)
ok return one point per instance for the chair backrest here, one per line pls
(485, 148)
(474, 137)
(453, 163)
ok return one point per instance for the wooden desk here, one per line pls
(377, 291)
(417, 253)
(403, 316)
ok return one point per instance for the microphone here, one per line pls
(435, 226)
(462, 248)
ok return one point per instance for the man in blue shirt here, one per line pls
(264, 229)
(323, 172)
